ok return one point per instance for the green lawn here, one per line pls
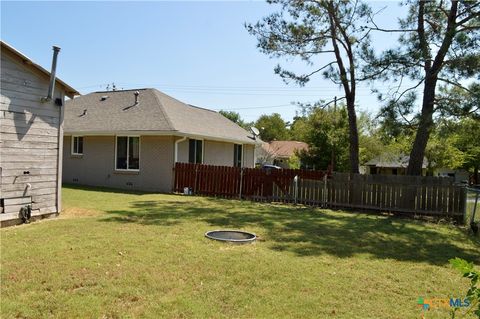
(127, 255)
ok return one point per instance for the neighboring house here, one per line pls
(460, 175)
(132, 139)
(279, 152)
(31, 115)
(388, 164)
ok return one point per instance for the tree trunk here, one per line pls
(425, 125)
(353, 135)
(475, 175)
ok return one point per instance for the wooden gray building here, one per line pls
(31, 119)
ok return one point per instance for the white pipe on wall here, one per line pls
(176, 147)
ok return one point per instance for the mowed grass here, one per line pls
(129, 255)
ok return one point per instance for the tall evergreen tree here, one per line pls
(326, 28)
(438, 44)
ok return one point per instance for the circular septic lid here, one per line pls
(233, 236)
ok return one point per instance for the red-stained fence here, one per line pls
(223, 181)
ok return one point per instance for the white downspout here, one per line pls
(243, 156)
(176, 147)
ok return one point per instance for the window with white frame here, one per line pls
(128, 153)
(195, 151)
(237, 155)
(77, 145)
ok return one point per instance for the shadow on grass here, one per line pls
(313, 232)
(105, 189)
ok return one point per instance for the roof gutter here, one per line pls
(159, 133)
(176, 147)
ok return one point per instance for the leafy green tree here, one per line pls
(294, 162)
(452, 144)
(272, 127)
(442, 151)
(232, 116)
(236, 118)
(468, 142)
(439, 43)
(298, 129)
(326, 133)
(371, 143)
(309, 29)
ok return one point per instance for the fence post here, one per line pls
(174, 178)
(325, 195)
(474, 209)
(196, 180)
(463, 203)
(295, 190)
(241, 183)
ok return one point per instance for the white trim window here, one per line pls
(237, 155)
(127, 153)
(195, 151)
(77, 145)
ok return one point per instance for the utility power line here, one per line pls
(253, 107)
(210, 88)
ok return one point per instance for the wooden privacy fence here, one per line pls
(238, 182)
(386, 193)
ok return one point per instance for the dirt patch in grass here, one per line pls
(77, 212)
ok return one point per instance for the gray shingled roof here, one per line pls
(156, 112)
(393, 161)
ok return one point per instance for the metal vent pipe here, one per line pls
(51, 87)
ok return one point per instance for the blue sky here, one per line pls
(198, 52)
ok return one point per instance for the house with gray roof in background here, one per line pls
(391, 164)
(131, 139)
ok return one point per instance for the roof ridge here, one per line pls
(162, 109)
(202, 108)
(122, 90)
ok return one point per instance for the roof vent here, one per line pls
(84, 113)
(136, 97)
(103, 98)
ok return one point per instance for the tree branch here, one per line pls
(409, 89)
(392, 30)
(349, 51)
(322, 68)
(473, 27)
(421, 35)
(333, 32)
(353, 13)
(447, 40)
(376, 28)
(468, 18)
(456, 84)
